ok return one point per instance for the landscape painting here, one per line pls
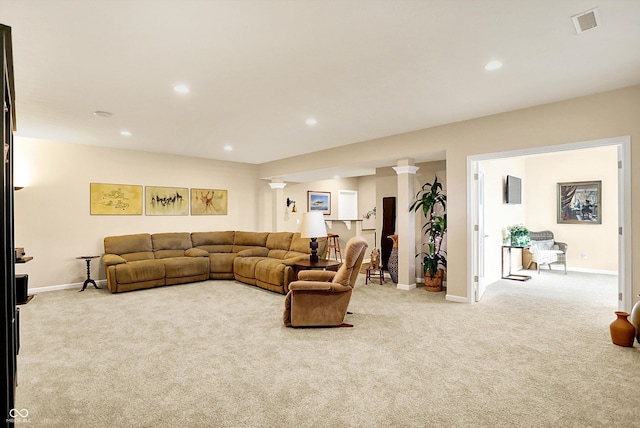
(166, 200)
(208, 202)
(115, 199)
(319, 201)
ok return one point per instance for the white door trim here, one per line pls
(625, 286)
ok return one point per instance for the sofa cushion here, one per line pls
(139, 271)
(130, 247)
(270, 271)
(221, 262)
(171, 241)
(279, 240)
(278, 254)
(244, 268)
(213, 242)
(300, 244)
(244, 240)
(294, 255)
(179, 267)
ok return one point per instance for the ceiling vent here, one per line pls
(586, 20)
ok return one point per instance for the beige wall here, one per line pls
(52, 218)
(598, 242)
(594, 117)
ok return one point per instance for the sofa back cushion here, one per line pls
(170, 244)
(214, 242)
(130, 247)
(246, 240)
(279, 240)
(301, 245)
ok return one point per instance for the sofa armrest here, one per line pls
(254, 252)
(316, 275)
(196, 252)
(112, 260)
(310, 286)
(293, 260)
(318, 286)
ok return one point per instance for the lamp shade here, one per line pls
(313, 225)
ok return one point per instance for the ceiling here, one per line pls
(258, 69)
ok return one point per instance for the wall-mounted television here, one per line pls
(513, 190)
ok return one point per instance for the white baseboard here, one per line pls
(600, 271)
(406, 287)
(78, 285)
(457, 299)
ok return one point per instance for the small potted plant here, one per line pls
(518, 235)
(432, 201)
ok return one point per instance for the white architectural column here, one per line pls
(278, 204)
(406, 224)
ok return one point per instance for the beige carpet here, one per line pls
(215, 354)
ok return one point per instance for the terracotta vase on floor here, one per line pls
(623, 332)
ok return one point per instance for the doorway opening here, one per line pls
(476, 203)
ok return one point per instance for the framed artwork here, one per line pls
(115, 199)
(319, 201)
(208, 202)
(580, 202)
(166, 200)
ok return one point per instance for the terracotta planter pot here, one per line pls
(622, 331)
(434, 283)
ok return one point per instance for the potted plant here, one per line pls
(432, 201)
(518, 235)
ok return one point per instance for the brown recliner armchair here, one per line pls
(321, 298)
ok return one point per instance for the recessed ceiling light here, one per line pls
(181, 89)
(336, 176)
(228, 148)
(101, 113)
(493, 65)
(311, 121)
(126, 133)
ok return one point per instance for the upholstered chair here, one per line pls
(545, 250)
(320, 298)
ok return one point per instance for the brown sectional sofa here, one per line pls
(264, 259)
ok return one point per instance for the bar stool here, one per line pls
(333, 242)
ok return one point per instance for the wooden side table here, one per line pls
(307, 264)
(88, 280)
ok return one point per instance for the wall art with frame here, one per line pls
(209, 202)
(319, 201)
(580, 202)
(166, 200)
(115, 199)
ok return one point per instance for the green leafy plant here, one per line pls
(432, 202)
(518, 235)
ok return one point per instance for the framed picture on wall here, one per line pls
(580, 202)
(166, 200)
(319, 201)
(115, 199)
(209, 202)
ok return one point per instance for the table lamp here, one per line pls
(313, 227)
